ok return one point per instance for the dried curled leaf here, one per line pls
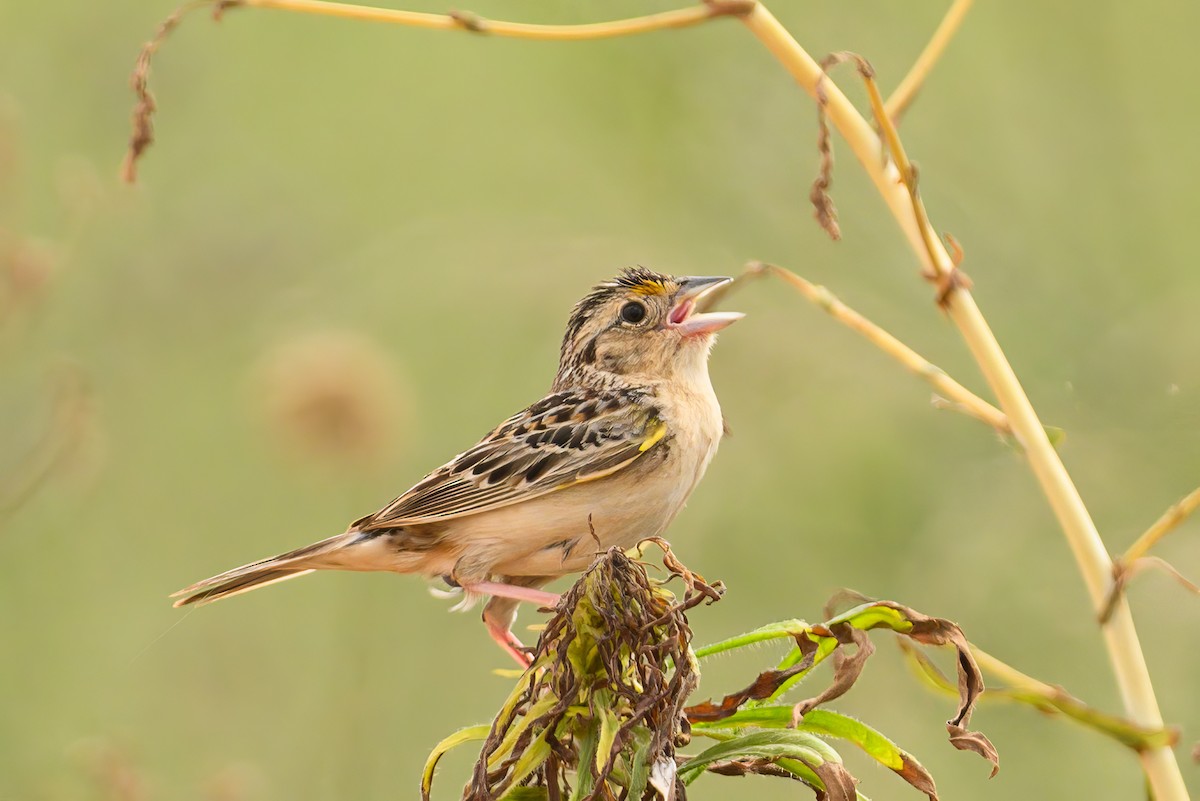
(938, 631)
(1049, 699)
(846, 668)
(816, 643)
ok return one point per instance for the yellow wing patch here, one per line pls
(660, 431)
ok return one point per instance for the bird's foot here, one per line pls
(498, 615)
(511, 645)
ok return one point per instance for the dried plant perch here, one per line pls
(602, 711)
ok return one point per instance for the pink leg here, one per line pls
(499, 613)
(509, 642)
(528, 594)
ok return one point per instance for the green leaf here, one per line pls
(514, 732)
(639, 771)
(871, 616)
(832, 724)
(783, 629)
(585, 744)
(1056, 435)
(819, 721)
(453, 741)
(825, 646)
(802, 772)
(870, 740)
(608, 728)
(786, 743)
(533, 757)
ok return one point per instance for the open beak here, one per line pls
(683, 317)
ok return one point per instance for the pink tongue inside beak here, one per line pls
(681, 312)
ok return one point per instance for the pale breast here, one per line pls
(551, 535)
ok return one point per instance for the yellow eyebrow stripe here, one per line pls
(649, 287)
(660, 431)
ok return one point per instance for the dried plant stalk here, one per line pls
(1092, 558)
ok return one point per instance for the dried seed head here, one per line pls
(332, 395)
(26, 269)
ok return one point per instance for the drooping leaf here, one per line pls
(514, 732)
(781, 630)
(530, 760)
(807, 748)
(608, 729)
(639, 769)
(935, 631)
(454, 740)
(586, 739)
(839, 784)
(833, 724)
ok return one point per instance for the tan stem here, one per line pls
(906, 92)
(680, 18)
(1163, 526)
(966, 401)
(1121, 640)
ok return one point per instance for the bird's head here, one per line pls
(642, 326)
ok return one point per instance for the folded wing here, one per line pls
(564, 439)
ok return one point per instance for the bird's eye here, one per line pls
(633, 312)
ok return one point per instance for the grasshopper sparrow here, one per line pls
(607, 458)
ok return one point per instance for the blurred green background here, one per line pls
(351, 252)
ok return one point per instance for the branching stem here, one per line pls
(463, 21)
(1137, 557)
(963, 399)
(1163, 526)
(907, 91)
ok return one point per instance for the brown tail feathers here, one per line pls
(267, 571)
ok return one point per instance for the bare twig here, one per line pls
(143, 114)
(1124, 572)
(473, 23)
(1164, 525)
(963, 399)
(906, 92)
(1135, 559)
